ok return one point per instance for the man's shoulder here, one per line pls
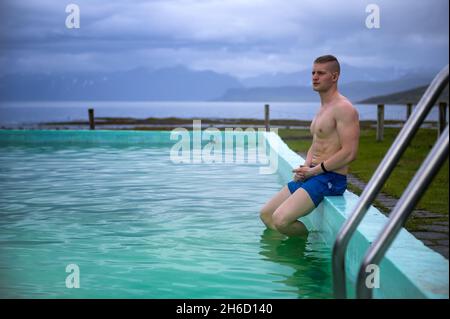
(344, 103)
(345, 108)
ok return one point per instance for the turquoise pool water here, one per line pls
(140, 226)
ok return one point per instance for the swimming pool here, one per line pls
(138, 225)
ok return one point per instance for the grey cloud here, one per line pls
(238, 37)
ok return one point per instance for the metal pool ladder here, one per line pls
(406, 203)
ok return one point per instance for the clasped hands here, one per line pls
(302, 173)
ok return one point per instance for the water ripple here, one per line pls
(140, 226)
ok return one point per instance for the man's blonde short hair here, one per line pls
(330, 58)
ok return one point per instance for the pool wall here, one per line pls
(409, 269)
(85, 137)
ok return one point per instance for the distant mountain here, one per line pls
(182, 84)
(301, 78)
(349, 74)
(355, 91)
(280, 94)
(409, 96)
(174, 84)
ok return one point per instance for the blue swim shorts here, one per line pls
(325, 184)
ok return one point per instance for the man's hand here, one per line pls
(303, 173)
(297, 174)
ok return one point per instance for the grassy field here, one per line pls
(371, 152)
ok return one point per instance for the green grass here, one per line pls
(372, 152)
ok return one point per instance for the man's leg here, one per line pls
(285, 217)
(272, 205)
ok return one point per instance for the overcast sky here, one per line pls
(239, 37)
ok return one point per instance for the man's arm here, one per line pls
(297, 176)
(308, 159)
(347, 126)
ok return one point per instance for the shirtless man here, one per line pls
(335, 131)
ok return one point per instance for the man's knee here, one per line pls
(280, 221)
(265, 214)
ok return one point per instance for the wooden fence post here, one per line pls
(442, 117)
(380, 122)
(408, 110)
(91, 119)
(266, 117)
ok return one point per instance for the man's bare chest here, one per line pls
(324, 124)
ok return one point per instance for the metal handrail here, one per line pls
(380, 176)
(411, 196)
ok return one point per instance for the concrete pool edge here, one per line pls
(409, 269)
(85, 136)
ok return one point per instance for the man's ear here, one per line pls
(335, 76)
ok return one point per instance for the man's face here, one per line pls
(323, 77)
